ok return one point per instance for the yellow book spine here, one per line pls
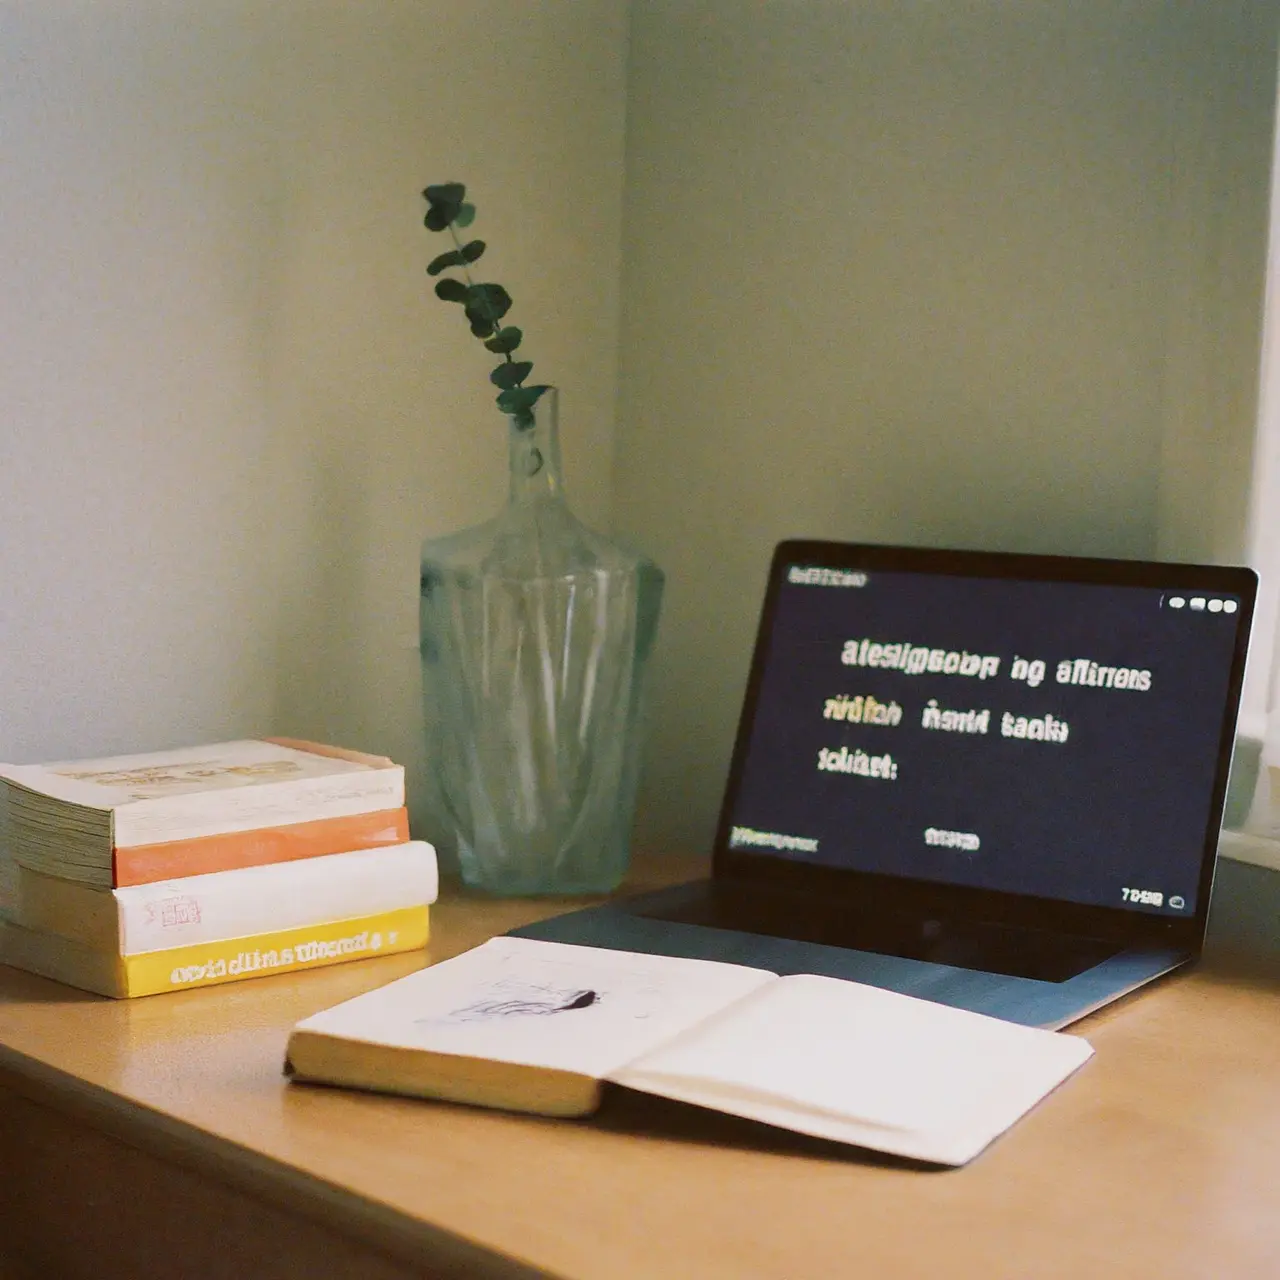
(207, 964)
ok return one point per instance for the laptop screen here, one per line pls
(1042, 727)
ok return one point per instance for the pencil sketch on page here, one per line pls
(512, 998)
(549, 988)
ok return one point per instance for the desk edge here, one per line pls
(234, 1165)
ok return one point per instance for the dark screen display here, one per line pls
(1058, 740)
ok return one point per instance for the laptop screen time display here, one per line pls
(1059, 740)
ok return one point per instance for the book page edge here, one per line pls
(334, 753)
(315, 1057)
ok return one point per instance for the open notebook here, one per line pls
(541, 1026)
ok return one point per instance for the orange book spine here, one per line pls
(173, 860)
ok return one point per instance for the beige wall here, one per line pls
(984, 273)
(978, 274)
(230, 407)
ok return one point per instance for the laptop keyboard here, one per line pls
(987, 948)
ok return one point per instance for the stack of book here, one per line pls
(141, 874)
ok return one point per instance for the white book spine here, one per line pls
(288, 895)
(215, 813)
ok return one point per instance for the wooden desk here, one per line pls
(157, 1138)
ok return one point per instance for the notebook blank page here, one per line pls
(819, 1054)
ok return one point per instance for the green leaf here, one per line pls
(519, 402)
(445, 193)
(466, 215)
(505, 341)
(510, 373)
(522, 414)
(480, 326)
(451, 290)
(472, 250)
(490, 300)
(451, 259)
(516, 399)
(445, 199)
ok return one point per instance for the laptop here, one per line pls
(990, 780)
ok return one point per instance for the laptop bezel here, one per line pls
(843, 887)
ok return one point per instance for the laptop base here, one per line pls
(962, 944)
(683, 921)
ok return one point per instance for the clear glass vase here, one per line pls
(535, 636)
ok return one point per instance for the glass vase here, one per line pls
(535, 636)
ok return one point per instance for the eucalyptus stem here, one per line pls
(466, 275)
(484, 305)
